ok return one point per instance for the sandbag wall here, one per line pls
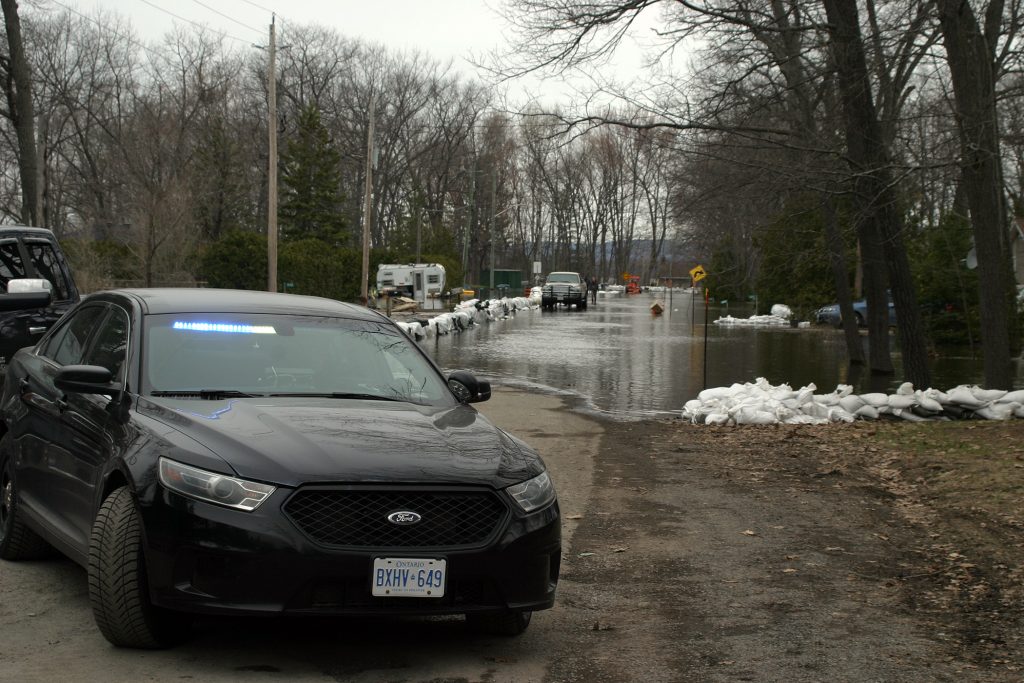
(763, 403)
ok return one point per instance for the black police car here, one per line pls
(212, 451)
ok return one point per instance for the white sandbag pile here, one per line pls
(780, 316)
(763, 403)
(465, 315)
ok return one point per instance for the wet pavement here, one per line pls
(620, 361)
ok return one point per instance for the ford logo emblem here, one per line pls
(404, 517)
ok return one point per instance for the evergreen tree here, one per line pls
(219, 186)
(311, 197)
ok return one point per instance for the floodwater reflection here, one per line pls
(621, 361)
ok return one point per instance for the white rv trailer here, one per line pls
(415, 280)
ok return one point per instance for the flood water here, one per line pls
(618, 360)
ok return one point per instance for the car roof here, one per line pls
(160, 300)
(25, 231)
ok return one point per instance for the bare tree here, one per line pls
(880, 223)
(971, 52)
(16, 75)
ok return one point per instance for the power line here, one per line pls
(228, 17)
(127, 39)
(196, 24)
(273, 13)
(249, 2)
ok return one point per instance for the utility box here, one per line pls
(503, 276)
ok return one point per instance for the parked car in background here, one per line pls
(830, 315)
(252, 453)
(564, 288)
(33, 261)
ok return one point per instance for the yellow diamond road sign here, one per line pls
(698, 273)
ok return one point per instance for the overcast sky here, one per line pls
(445, 29)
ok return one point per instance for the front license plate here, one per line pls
(408, 577)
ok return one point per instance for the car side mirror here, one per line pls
(467, 388)
(87, 379)
(26, 293)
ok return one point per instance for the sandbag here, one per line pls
(752, 416)
(987, 395)
(1013, 397)
(928, 403)
(901, 401)
(875, 399)
(964, 397)
(867, 412)
(851, 403)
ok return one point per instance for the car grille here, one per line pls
(358, 518)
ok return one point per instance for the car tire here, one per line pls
(582, 305)
(17, 541)
(118, 587)
(508, 623)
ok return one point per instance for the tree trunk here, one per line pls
(22, 114)
(970, 54)
(837, 258)
(875, 199)
(800, 101)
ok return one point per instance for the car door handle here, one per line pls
(37, 330)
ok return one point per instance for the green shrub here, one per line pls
(313, 267)
(236, 261)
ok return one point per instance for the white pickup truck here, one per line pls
(564, 288)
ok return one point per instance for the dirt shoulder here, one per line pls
(875, 551)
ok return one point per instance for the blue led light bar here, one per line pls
(228, 328)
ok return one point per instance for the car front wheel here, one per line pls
(510, 623)
(17, 542)
(118, 588)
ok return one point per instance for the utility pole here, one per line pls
(470, 221)
(368, 207)
(494, 215)
(419, 230)
(272, 165)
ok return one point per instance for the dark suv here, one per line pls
(31, 253)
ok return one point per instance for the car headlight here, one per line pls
(533, 494)
(212, 487)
